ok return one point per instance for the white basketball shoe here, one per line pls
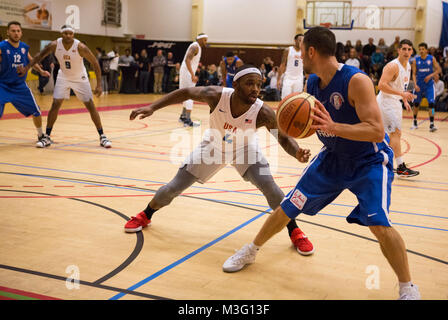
(244, 256)
(410, 293)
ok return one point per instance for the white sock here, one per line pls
(39, 132)
(253, 247)
(405, 284)
(399, 161)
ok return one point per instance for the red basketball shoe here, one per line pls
(301, 242)
(137, 223)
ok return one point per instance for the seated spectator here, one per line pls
(377, 59)
(353, 59)
(358, 47)
(367, 52)
(441, 93)
(202, 75)
(269, 64)
(340, 52)
(347, 47)
(383, 47)
(212, 76)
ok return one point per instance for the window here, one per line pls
(112, 12)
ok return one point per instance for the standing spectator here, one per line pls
(113, 73)
(263, 75)
(272, 93)
(104, 63)
(126, 60)
(173, 81)
(46, 64)
(170, 65)
(367, 52)
(144, 70)
(158, 66)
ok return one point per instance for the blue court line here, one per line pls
(199, 187)
(188, 256)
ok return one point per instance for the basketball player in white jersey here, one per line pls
(393, 87)
(187, 75)
(235, 115)
(73, 75)
(292, 68)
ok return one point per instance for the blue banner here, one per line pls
(444, 36)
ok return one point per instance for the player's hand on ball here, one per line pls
(322, 119)
(142, 112)
(303, 155)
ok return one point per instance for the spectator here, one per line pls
(46, 64)
(444, 67)
(394, 46)
(272, 93)
(264, 75)
(173, 82)
(269, 64)
(98, 53)
(113, 73)
(144, 70)
(126, 60)
(377, 60)
(367, 52)
(383, 47)
(170, 64)
(105, 71)
(353, 59)
(347, 47)
(202, 75)
(340, 52)
(358, 47)
(158, 66)
(212, 76)
(441, 94)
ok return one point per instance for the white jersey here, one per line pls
(194, 61)
(227, 133)
(294, 65)
(71, 63)
(400, 83)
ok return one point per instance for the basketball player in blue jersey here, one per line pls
(424, 67)
(234, 113)
(355, 156)
(228, 65)
(13, 88)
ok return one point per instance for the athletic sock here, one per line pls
(149, 212)
(100, 131)
(39, 132)
(415, 119)
(253, 247)
(48, 131)
(291, 226)
(405, 284)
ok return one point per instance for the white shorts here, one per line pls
(291, 85)
(186, 82)
(201, 165)
(82, 89)
(392, 112)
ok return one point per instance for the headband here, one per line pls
(68, 28)
(201, 36)
(244, 72)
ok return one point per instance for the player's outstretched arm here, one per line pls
(361, 95)
(50, 48)
(85, 52)
(209, 95)
(266, 118)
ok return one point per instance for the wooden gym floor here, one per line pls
(63, 210)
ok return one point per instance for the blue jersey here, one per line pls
(11, 59)
(231, 68)
(335, 99)
(424, 68)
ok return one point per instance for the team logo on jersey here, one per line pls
(336, 100)
(428, 62)
(8, 52)
(406, 79)
(23, 50)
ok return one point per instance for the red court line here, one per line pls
(408, 146)
(6, 298)
(439, 151)
(27, 294)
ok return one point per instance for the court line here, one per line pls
(188, 256)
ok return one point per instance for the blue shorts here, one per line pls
(20, 96)
(426, 91)
(229, 81)
(327, 175)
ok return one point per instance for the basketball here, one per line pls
(294, 115)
